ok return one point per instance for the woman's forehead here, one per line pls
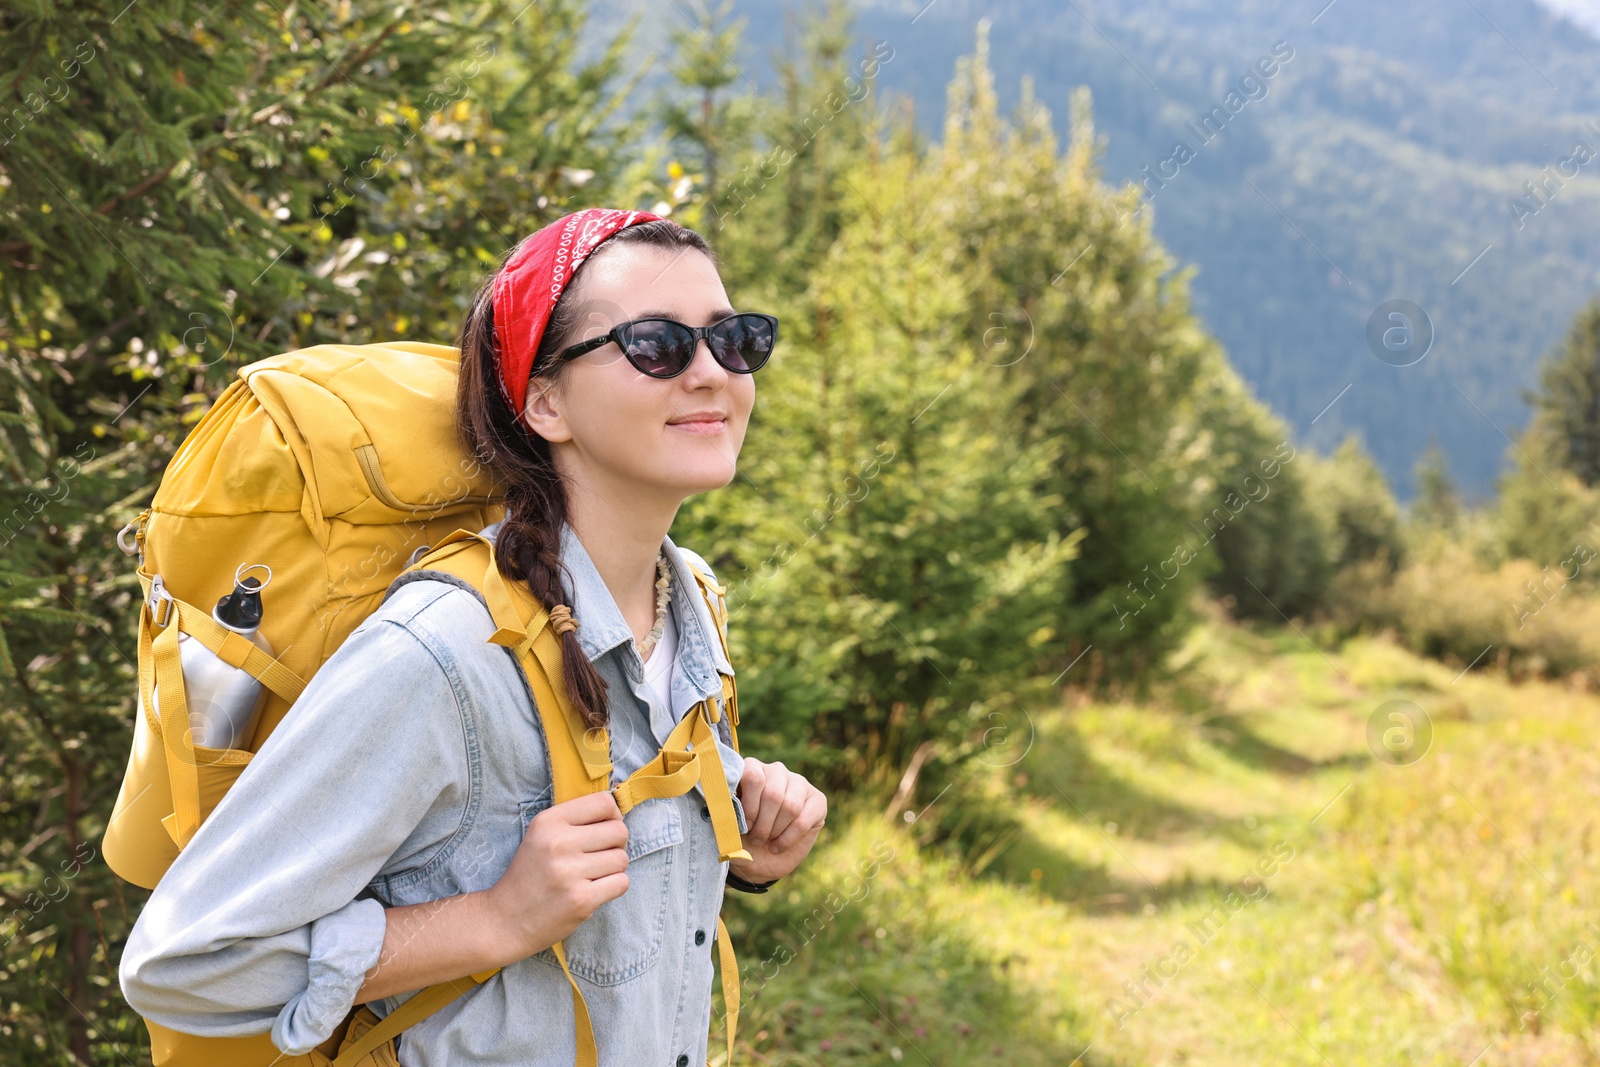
(642, 278)
(642, 274)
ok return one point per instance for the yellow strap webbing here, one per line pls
(719, 609)
(416, 1009)
(674, 772)
(177, 738)
(730, 985)
(588, 1055)
(719, 612)
(237, 650)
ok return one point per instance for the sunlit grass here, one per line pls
(1441, 912)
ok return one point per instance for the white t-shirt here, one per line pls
(658, 668)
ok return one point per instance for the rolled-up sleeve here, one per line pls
(257, 925)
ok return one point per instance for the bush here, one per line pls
(1545, 513)
(1528, 619)
(1358, 514)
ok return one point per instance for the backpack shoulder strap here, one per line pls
(715, 596)
(580, 760)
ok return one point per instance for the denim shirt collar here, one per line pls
(602, 628)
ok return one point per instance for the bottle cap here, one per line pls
(241, 609)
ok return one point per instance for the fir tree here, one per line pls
(1567, 403)
(1438, 502)
(185, 188)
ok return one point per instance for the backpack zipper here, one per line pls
(367, 458)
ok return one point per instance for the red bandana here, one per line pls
(533, 279)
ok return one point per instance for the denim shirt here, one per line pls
(407, 771)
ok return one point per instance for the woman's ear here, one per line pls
(540, 413)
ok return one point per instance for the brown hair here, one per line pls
(528, 544)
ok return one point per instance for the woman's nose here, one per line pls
(709, 365)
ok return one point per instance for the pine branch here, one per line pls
(83, 349)
(138, 190)
(23, 73)
(360, 57)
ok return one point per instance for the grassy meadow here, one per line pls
(997, 431)
(1216, 873)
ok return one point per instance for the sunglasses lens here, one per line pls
(658, 347)
(743, 342)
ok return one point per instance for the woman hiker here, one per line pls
(409, 836)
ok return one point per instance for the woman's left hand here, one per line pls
(784, 813)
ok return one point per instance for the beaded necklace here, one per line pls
(663, 593)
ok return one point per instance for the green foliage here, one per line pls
(1438, 504)
(1252, 776)
(895, 572)
(1567, 403)
(1550, 495)
(65, 679)
(1389, 140)
(714, 125)
(1268, 539)
(1544, 510)
(185, 188)
(1073, 301)
(1357, 511)
(988, 370)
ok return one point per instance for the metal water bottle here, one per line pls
(225, 701)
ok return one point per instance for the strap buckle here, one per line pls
(162, 604)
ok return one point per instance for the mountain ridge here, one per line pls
(1382, 162)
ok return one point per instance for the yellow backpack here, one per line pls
(339, 467)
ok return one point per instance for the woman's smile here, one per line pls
(700, 422)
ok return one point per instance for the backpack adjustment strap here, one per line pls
(236, 650)
(669, 774)
(730, 985)
(674, 771)
(719, 606)
(714, 784)
(418, 1007)
(163, 605)
(730, 699)
(588, 1054)
(177, 736)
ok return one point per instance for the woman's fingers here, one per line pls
(603, 863)
(773, 791)
(808, 821)
(751, 783)
(781, 807)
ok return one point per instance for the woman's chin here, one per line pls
(693, 478)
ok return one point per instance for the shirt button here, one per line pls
(699, 937)
(683, 1060)
(705, 813)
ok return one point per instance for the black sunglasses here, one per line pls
(663, 348)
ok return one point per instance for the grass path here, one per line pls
(1220, 875)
